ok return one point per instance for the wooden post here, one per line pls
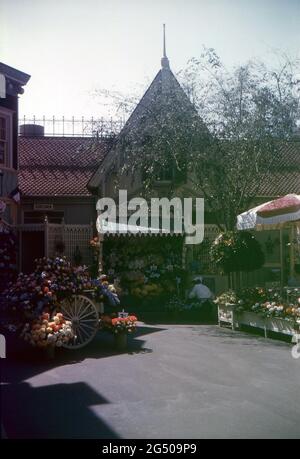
(292, 251)
(46, 237)
(100, 261)
(281, 259)
(63, 234)
(20, 261)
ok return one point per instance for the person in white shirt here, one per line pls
(200, 291)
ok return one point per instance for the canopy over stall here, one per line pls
(272, 214)
(110, 228)
(276, 214)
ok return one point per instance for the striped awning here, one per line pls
(271, 214)
(108, 228)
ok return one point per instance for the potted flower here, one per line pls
(120, 327)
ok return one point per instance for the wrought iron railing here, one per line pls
(71, 127)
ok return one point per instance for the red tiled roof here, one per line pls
(290, 154)
(58, 166)
(62, 166)
(280, 184)
(285, 179)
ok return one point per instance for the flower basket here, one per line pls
(120, 341)
(118, 325)
(48, 332)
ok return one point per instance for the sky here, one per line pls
(73, 47)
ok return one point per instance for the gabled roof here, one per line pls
(14, 74)
(15, 79)
(163, 93)
(58, 166)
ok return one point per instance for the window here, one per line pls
(3, 140)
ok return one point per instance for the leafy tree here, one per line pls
(223, 144)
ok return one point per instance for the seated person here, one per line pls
(200, 291)
(202, 295)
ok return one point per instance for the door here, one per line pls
(33, 246)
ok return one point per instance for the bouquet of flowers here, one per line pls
(48, 331)
(229, 297)
(118, 325)
(38, 292)
(265, 302)
(272, 309)
(106, 292)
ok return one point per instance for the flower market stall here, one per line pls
(271, 310)
(58, 305)
(279, 214)
(146, 267)
(261, 308)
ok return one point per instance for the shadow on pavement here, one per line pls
(59, 410)
(56, 411)
(23, 361)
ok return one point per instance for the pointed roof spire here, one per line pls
(164, 61)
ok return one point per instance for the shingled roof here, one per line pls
(161, 106)
(285, 178)
(58, 166)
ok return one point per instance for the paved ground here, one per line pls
(174, 382)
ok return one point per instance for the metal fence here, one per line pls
(73, 127)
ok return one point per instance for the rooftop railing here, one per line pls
(70, 127)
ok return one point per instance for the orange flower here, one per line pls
(132, 318)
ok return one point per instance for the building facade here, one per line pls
(57, 212)
(12, 81)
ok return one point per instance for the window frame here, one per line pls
(7, 115)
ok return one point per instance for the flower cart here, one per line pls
(83, 312)
(58, 305)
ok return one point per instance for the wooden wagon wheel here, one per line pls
(83, 314)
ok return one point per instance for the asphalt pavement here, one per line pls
(174, 381)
